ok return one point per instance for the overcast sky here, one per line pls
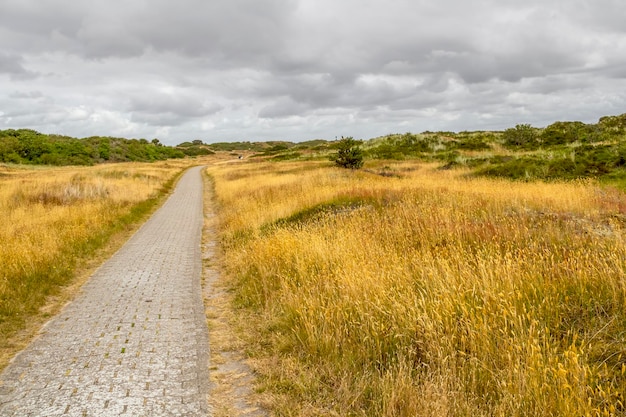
(227, 70)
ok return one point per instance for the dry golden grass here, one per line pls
(52, 218)
(404, 290)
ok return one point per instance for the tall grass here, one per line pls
(53, 217)
(424, 292)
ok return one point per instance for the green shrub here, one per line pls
(561, 133)
(523, 136)
(288, 156)
(349, 154)
(194, 150)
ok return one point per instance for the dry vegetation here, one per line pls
(231, 393)
(409, 291)
(55, 218)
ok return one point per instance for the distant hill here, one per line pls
(562, 150)
(26, 146)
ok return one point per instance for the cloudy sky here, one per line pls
(226, 70)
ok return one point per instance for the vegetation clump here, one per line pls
(521, 136)
(562, 150)
(349, 154)
(26, 146)
(195, 148)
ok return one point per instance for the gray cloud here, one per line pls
(28, 95)
(298, 69)
(165, 109)
(13, 65)
(283, 107)
(172, 102)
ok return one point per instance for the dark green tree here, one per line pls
(349, 153)
(523, 135)
(561, 133)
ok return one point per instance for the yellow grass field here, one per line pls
(54, 217)
(403, 290)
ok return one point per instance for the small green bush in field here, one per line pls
(524, 136)
(349, 154)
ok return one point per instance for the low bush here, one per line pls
(349, 154)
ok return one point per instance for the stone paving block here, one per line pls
(134, 342)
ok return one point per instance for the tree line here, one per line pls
(26, 146)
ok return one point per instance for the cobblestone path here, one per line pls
(135, 341)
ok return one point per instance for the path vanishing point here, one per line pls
(135, 341)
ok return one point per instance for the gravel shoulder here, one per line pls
(232, 379)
